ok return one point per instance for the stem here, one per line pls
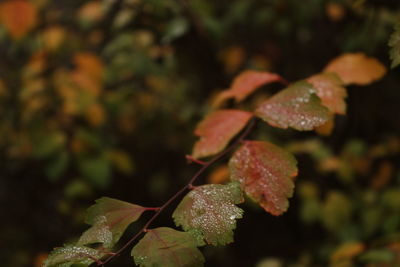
(189, 185)
(192, 159)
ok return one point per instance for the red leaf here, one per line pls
(296, 106)
(265, 173)
(217, 129)
(245, 84)
(330, 90)
(356, 68)
(18, 16)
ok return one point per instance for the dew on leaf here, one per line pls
(296, 106)
(265, 173)
(168, 248)
(209, 212)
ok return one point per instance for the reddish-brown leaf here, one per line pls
(296, 106)
(245, 84)
(217, 129)
(330, 90)
(356, 68)
(18, 17)
(265, 172)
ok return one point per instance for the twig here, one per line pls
(189, 185)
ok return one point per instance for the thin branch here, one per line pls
(192, 159)
(189, 185)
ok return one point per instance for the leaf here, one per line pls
(217, 129)
(89, 64)
(394, 43)
(336, 211)
(356, 68)
(70, 254)
(265, 173)
(110, 218)
(209, 212)
(297, 106)
(168, 248)
(348, 250)
(329, 88)
(326, 128)
(245, 84)
(18, 17)
(97, 170)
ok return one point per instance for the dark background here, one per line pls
(157, 64)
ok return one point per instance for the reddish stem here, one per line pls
(189, 185)
(153, 209)
(192, 159)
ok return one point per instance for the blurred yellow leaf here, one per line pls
(35, 66)
(356, 68)
(95, 114)
(122, 161)
(219, 175)
(18, 17)
(86, 85)
(53, 37)
(347, 251)
(91, 11)
(335, 11)
(31, 88)
(232, 57)
(260, 61)
(382, 178)
(330, 164)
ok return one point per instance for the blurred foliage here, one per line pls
(100, 98)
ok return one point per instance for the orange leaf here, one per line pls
(356, 68)
(329, 89)
(245, 84)
(347, 251)
(219, 176)
(217, 129)
(265, 172)
(90, 64)
(326, 128)
(18, 17)
(95, 114)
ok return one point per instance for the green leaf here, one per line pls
(109, 219)
(265, 172)
(71, 254)
(167, 247)
(209, 212)
(394, 43)
(336, 211)
(97, 170)
(297, 106)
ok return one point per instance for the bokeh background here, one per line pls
(100, 98)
